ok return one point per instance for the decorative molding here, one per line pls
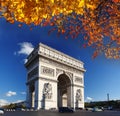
(32, 64)
(32, 80)
(48, 79)
(60, 57)
(69, 74)
(33, 73)
(59, 71)
(76, 85)
(59, 65)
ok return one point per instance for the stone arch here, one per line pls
(66, 73)
(46, 66)
(64, 90)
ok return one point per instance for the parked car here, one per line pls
(78, 108)
(20, 109)
(89, 109)
(65, 109)
(97, 109)
(1, 111)
(110, 108)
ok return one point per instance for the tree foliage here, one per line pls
(106, 104)
(98, 21)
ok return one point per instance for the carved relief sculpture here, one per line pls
(78, 95)
(47, 90)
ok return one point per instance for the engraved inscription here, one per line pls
(47, 71)
(61, 66)
(78, 80)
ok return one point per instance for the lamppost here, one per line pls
(108, 99)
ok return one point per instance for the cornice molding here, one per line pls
(55, 55)
(60, 57)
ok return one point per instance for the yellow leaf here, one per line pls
(81, 3)
(45, 16)
(52, 1)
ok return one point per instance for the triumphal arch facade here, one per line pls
(54, 79)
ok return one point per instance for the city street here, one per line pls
(55, 113)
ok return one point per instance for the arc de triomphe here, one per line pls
(54, 79)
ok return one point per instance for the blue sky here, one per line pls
(102, 75)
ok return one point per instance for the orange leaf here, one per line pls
(20, 25)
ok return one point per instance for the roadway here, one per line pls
(55, 113)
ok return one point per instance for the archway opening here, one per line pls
(64, 91)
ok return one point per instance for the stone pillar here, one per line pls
(37, 94)
(28, 96)
(33, 99)
(30, 99)
(59, 98)
(69, 96)
(74, 99)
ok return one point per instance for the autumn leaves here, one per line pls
(95, 20)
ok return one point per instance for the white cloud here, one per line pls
(11, 93)
(25, 48)
(89, 99)
(18, 101)
(25, 60)
(23, 93)
(3, 102)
